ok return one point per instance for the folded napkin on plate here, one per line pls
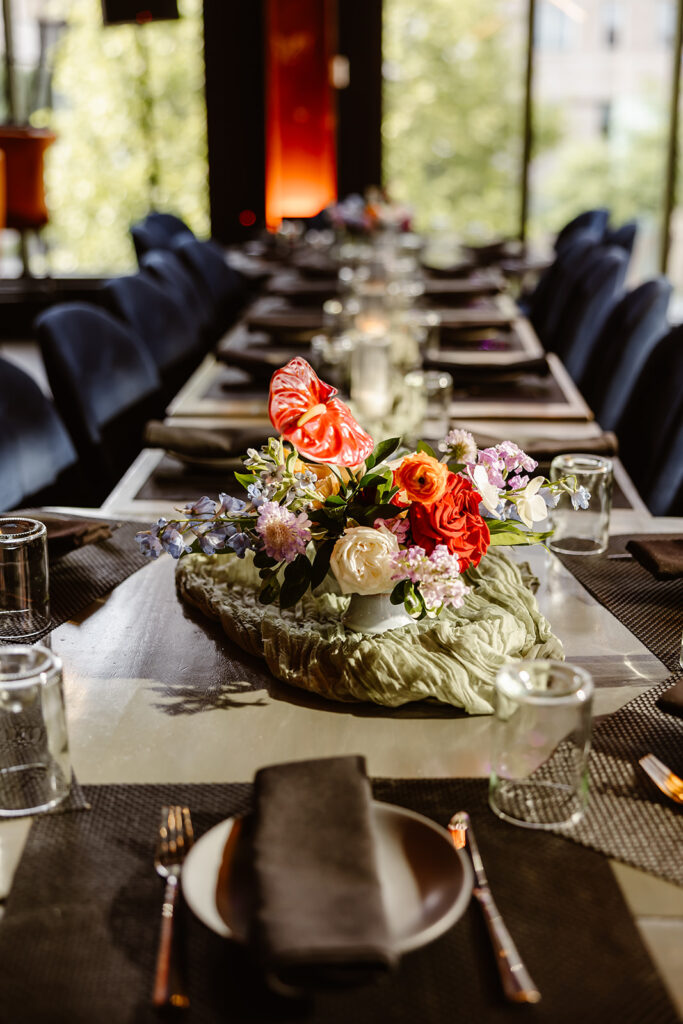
(65, 533)
(198, 443)
(278, 320)
(544, 449)
(465, 373)
(662, 556)
(318, 917)
(458, 319)
(260, 364)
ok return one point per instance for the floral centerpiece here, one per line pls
(365, 215)
(322, 500)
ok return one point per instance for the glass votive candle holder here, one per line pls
(581, 524)
(540, 743)
(372, 391)
(24, 580)
(431, 391)
(35, 769)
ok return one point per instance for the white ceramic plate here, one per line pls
(426, 883)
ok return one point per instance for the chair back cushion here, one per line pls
(34, 445)
(96, 366)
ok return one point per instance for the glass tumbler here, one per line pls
(430, 392)
(582, 530)
(35, 770)
(24, 596)
(541, 741)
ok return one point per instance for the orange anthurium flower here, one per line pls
(304, 410)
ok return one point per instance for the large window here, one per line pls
(609, 92)
(129, 114)
(601, 121)
(452, 126)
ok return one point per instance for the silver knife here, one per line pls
(516, 980)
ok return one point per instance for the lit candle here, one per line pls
(373, 325)
(371, 378)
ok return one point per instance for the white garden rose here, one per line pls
(362, 560)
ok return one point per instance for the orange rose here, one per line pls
(422, 478)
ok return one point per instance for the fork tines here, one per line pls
(663, 777)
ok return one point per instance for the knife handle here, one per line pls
(516, 980)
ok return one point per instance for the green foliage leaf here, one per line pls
(333, 500)
(270, 589)
(422, 446)
(503, 532)
(321, 562)
(296, 581)
(245, 479)
(398, 593)
(383, 450)
(264, 561)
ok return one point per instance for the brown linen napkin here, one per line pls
(457, 319)
(662, 556)
(260, 364)
(286, 321)
(318, 916)
(544, 449)
(198, 443)
(672, 699)
(466, 373)
(66, 533)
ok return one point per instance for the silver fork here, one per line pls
(175, 839)
(669, 783)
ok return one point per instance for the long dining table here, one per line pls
(157, 694)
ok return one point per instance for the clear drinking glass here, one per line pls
(541, 741)
(428, 395)
(24, 595)
(35, 770)
(582, 531)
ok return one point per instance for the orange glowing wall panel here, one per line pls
(301, 159)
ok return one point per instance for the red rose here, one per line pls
(454, 520)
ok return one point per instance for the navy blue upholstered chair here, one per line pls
(649, 428)
(624, 236)
(167, 328)
(158, 231)
(35, 449)
(105, 385)
(630, 332)
(168, 271)
(666, 493)
(547, 303)
(223, 288)
(590, 222)
(588, 306)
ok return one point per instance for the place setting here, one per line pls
(341, 513)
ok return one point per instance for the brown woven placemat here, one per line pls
(81, 576)
(78, 941)
(652, 609)
(628, 818)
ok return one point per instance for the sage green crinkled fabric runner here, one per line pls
(452, 659)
